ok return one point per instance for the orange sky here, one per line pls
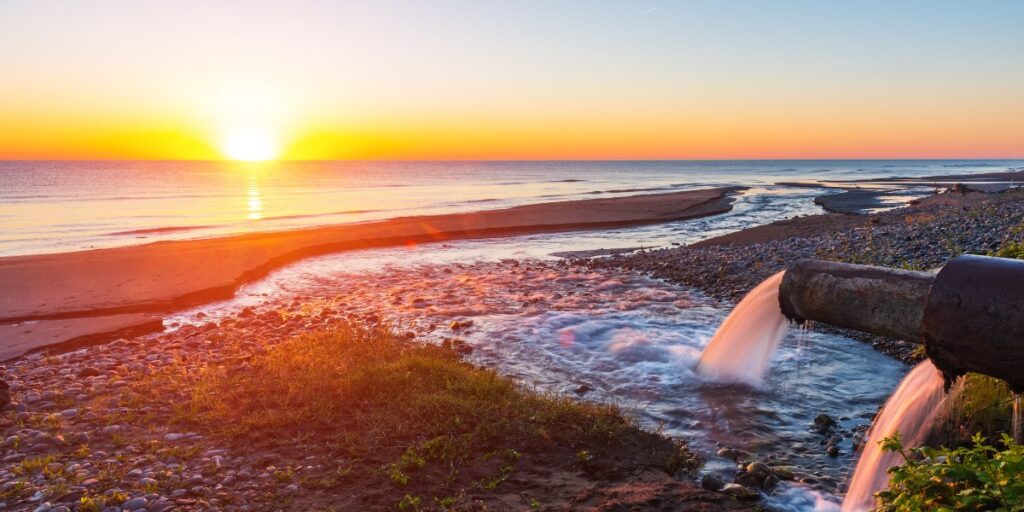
(460, 80)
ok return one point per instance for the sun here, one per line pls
(251, 144)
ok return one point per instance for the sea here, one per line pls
(62, 206)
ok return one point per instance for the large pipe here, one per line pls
(878, 300)
(970, 316)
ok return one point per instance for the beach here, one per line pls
(128, 416)
(165, 276)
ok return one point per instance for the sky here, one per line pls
(523, 79)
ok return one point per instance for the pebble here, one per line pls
(740, 492)
(135, 504)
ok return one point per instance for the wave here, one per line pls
(312, 215)
(626, 190)
(153, 231)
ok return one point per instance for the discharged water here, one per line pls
(746, 341)
(609, 335)
(1018, 419)
(909, 411)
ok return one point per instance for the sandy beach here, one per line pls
(101, 286)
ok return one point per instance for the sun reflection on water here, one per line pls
(254, 203)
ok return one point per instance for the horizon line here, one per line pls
(285, 160)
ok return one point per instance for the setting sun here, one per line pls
(251, 145)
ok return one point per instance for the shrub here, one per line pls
(976, 403)
(1011, 250)
(975, 477)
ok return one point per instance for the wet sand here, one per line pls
(165, 276)
(866, 196)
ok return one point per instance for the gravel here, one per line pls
(920, 237)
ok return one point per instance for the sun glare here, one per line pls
(251, 145)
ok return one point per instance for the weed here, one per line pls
(409, 503)
(284, 475)
(975, 477)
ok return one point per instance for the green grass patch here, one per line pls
(418, 418)
(976, 403)
(389, 391)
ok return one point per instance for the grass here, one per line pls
(369, 381)
(417, 417)
(975, 404)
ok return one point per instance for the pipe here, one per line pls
(877, 300)
(970, 316)
(974, 321)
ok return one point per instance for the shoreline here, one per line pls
(921, 236)
(166, 276)
(868, 195)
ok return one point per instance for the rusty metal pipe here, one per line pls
(970, 315)
(878, 300)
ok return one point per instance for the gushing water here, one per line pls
(909, 411)
(744, 344)
(1018, 419)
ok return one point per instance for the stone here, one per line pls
(90, 371)
(833, 451)
(740, 492)
(135, 504)
(161, 505)
(712, 482)
(783, 472)
(759, 470)
(823, 423)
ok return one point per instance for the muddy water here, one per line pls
(608, 336)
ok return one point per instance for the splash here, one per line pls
(744, 344)
(910, 411)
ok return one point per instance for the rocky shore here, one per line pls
(922, 236)
(113, 427)
(85, 430)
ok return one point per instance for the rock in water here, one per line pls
(824, 423)
(712, 482)
(741, 493)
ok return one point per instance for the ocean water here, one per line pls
(60, 206)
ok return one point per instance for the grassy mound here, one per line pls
(390, 391)
(414, 426)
